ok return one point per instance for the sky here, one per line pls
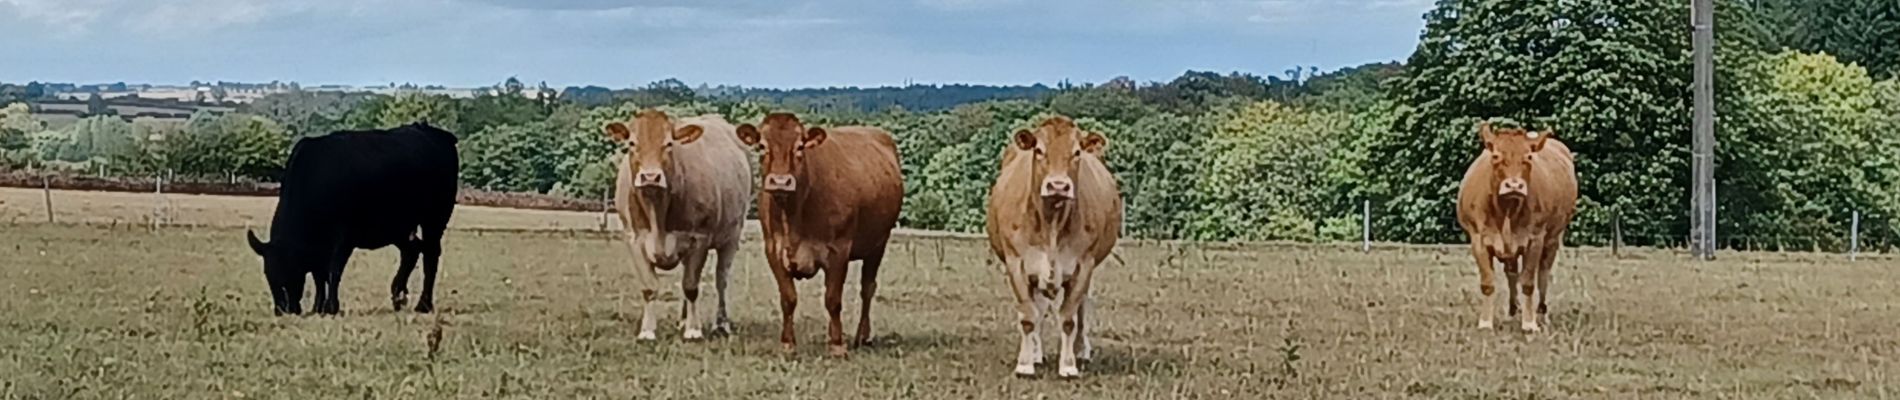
(623, 43)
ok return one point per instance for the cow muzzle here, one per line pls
(1058, 189)
(648, 178)
(780, 183)
(1514, 187)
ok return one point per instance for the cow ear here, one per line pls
(749, 135)
(814, 137)
(1538, 145)
(1094, 143)
(618, 131)
(1025, 140)
(257, 246)
(687, 134)
(1485, 134)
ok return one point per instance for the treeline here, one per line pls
(1804, 136)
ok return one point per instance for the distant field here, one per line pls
(101, 312)
(108, 208)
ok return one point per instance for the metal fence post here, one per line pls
(1853, 247)
(1365, 225)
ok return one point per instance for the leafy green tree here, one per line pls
(96, 105)
(511, 158)
(1263, 169)
(242, 144)
(1158, 161)
(1611, 75)
(16, 123)
(307, 113)
(1099, 103)
(1812, 153)
(485, 111)
(1861, 32)
(384, 112)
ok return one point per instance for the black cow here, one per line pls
(360, 190)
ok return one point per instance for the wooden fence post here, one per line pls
(46, 185)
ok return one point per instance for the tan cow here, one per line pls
(1515, 204)
(682, 191)
(1054, 215)
(829, 197)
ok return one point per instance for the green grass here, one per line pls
(94, 312)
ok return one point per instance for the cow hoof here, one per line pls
(399, 300)
(1531, 327)
(1069, 372)
(694, 334)
(1025, 370)
(839, 351)
(1486, 325)
(788, 348)
(722, 328)
(425, 308)
(647, 336)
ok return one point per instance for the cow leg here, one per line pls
(1487, 284)
(1028, 353)
(1533, 257)
(431, 259)
(867, 290)
(1085, 351)
(329, 278)
(1075, 291)
(1512, 267)
(787, 303)
(689, 287)
(399, 287)
(1543, 279)
(648, 281)
(722, 277)
(835, 271)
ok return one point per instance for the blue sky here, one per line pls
(619, 43)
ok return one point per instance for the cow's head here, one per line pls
(783, 141)
(1057, 145)
(1511, 151)
(650, 142)
(283, 273)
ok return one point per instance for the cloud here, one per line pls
(630, 42)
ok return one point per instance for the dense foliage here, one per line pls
(1804, 134)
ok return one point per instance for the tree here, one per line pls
(1810, 152)
(511, 158)
(16, 123)
(1263, 171)
(1611, 76)
(96, 105)
(408, 108)
(1158, 163)
(214, 145)
(1860, 32)
(482, 112)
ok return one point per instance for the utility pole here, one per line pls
(1702, 222)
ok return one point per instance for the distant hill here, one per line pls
(923, 98)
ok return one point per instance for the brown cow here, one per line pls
(1054, 215)
(679, 196)
(1516, 201)
(829, 197)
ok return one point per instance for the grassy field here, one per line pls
(96, 311)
